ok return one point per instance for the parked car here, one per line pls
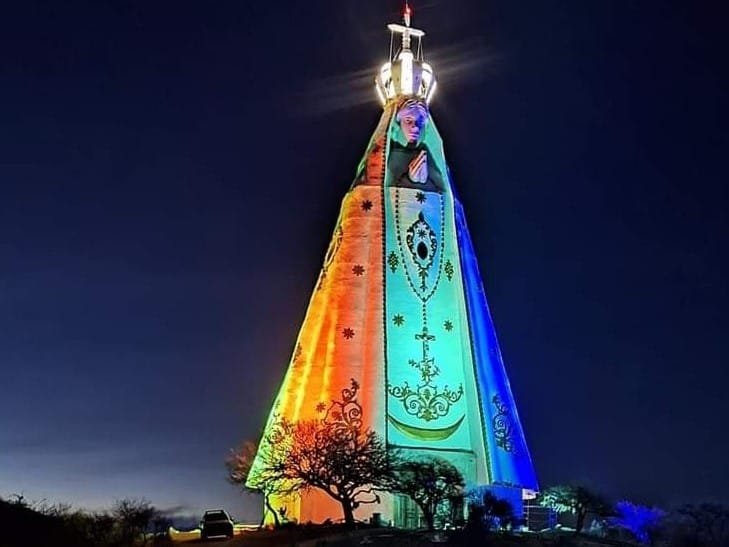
(216, 523)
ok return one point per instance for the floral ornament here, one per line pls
(421, 197)
(503, 426)
(348, 333)
(366, 206)
(358, 269)
(345, 416)
(448, 325)
(426, 401)
(399, 320)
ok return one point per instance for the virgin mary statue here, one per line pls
(399, 308)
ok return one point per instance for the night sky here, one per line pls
(170, 173)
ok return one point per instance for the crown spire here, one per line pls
(406, 74)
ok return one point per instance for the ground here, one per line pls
(384, 537)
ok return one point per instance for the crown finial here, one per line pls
(406, 14)
(406, 74)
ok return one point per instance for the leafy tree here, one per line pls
(639, 520)
(455, 509)
(484, 508)
(265, 482)
(428, 482)
(577, 500)
(499, 512)
(704, 525)
(334, 454)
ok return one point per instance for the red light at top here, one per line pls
(406, 15)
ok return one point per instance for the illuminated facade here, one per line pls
(400, 307)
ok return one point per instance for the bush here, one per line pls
(26, 525)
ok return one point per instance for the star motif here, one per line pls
(358, 269)
(399, 320)
(366, 205)
(421, 197)
(348, 333)
(448, 325)
(422, 233)
(321, 407)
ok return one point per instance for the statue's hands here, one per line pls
(418, 168)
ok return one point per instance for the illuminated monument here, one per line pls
(400, 307)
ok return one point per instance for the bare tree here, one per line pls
(133, 517)
(429, 482)
(334, 454)
(704, 524)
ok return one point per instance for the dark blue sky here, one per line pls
(170, 173)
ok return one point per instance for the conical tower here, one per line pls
(399, 306)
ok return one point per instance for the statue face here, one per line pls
(412, 118)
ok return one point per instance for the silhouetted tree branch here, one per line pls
(266, 481)
(334, 454)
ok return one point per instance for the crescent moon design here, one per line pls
(423, 434)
